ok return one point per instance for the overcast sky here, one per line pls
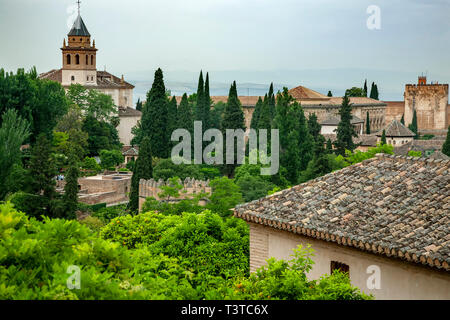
(134, 37)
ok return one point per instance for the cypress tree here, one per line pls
(375, 96)
(171, 118)
(271, 101)
(185, 118)
(155, 117)
(383, 137)
(233, 119)
(413, 126)
(200, 99)
(367, 123)
(265, 117)
(206, 106)
(139, 104)
(314, 126)
(329, 146)
(372, 91)
(142, 170)
(256, 114)
(345, 130)
(329, 93)
(365, 88)
(70, 197)
(446, 146)
(402, 120)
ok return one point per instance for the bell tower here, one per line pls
(79, 56)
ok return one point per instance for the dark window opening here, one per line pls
(77, 59)
(92, 60)
(342, 267)
(87, 59)
(68, 59)
(73, 78)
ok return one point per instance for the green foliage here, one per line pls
(367, 123)
(446, 146)
(374, 91)
(225, 196)
(383, 137)
(314, 126)
(253, 187)
(143, 169)
(329, 94)
(139, 105)
(345, 131)
(172, 208)
(102, 136)
(70, 197)
(106, 214)
(13, 132)
(154, 121)
(111, 158)
(426, 137)
(93, 223)
(355, 92)
(413, 153)
(256, 114)
(91, 164)
(286, 280)
(172, 189)
(413, 125)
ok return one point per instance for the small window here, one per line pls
(77, 59)
(87, 78)
(92, 60)
(72, 78)
(342, 267)
(81, 39)
(87, 59)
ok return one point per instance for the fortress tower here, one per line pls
(431, 104)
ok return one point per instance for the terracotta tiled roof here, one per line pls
(303, 93)
(393, 206)
(130, 151)
(129, 112)
(335, 119)
(396, 129)
(420, 145)
(105, 80)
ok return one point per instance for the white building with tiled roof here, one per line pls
(79, 66)
(385, 221)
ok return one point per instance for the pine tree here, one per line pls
(233, 119)
(446, 146)
(206, 116)
(329, 93)
(365, 88)
(139, 104)
(200, 99)
(155, 117)
(314, 126)
(265, 117)
(256, 114)
(345, 130)
(372, 91)
(171, 118)
(185, 118)
(413, 126)
(383, 137)
(42, 169)
(142, 170)
(70, 197)
(367, 123)
(271, 102)
(402, 120)
(329, 146)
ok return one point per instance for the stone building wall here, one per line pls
(430, 102)
(191, 187)
(398, 279)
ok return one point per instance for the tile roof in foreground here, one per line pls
(388, 205)
(396, 129)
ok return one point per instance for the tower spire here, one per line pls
(79, 3)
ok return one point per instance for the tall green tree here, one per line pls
(256, 114)
(206, 117)
(383, 137)
(345, 130)
(155, 117)
(329, 93)
(185, 118)
(402, 120)
(200, 98)
(172, 118)
(446, 146)
(13, 132)
(413, 125)
(314, 126)
(265, 117)
(70, 198)
(271, 101)
(365, 88)
(233, 119)
(139, 105)
(367, 123)
(355, 92)
(42, 170)
(143, 169)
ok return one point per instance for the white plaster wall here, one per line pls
(124, 129)
(80, 77)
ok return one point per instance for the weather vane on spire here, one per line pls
(78, 2)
